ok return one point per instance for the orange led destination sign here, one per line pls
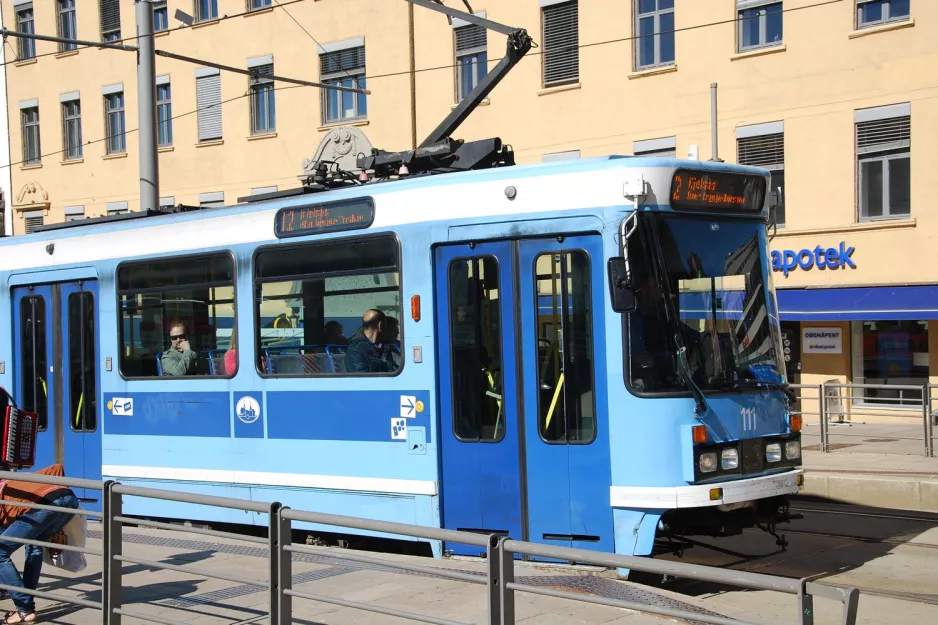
(698, 190)
(296, 221)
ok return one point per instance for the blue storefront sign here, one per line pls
(829, 258)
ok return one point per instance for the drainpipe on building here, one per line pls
(6, 182)
(413, 78)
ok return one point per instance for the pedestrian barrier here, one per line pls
(499, 577)
(834, 404)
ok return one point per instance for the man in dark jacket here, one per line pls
(363, 354)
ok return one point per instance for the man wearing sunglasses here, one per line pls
(179, 359)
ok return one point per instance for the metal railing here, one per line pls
(838, 404)
(498, 577)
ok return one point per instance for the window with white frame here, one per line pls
(561, 27)
(254, 5)
(206, 10)
(117, 208)
(164, 112)
(664, 147)
(553, 157)
(215, 198)
(343, 65)
(167, 201)
(884, 173)
(878, 12)
(25, 23)
(654, 28)
(208, 101)
(110, 20)
(261, 84)
(34, 219)
(29, 112)
(471, 57)
(760, 24)
(74, 213)
(114, 119)
(763, 145)
(67, 24)
(263, 190)
(71, 126)
(891, 353)
(160, 16)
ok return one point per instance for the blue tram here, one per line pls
(583, 353)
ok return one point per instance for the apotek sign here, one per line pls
(830, 258)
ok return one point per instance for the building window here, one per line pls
(68, 24)
(110, 20)
(213, 199)
(876, 12)
(167, 202)
(254, 5)
(263, 190)
(760, 24)
(31, 146)
(71, 129)
(33, 219)
(553, 157)
(164, 115)
(561, 56)
(263, 110)
(208, 96)
(116, 130)
(654, 45)
(312, 296)
(160, 16)
(25, 23)
(884, 143)
(193, 297)
(471, 58)
(343, 68)
(117, 208)
(665, 147)
(74, 213)
(890, 353)
(763, 145)
(206, 10)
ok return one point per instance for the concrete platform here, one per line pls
(882, 480)
(193, 598)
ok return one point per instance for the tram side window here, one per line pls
(82, 386)
(476, 354)
(310, 304)
(566, 404)
(177, 317)
(35, 384)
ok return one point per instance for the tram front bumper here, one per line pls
(712, 494)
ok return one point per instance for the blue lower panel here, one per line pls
(413, 510)
(168, 414)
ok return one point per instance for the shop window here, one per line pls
(890, 354)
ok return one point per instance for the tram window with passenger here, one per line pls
(177, 316)
(312, 300)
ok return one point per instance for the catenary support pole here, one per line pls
(146, 108)
(714, 137)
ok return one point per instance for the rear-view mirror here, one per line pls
(621, 292)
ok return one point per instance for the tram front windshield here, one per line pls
(702, 285)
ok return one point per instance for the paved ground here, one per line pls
(193, 598)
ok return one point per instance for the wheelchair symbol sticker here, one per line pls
(247, 409)
(398, 429)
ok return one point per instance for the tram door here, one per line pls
(56, 356)
(523, 425)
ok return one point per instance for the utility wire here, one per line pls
(611, 41)
(92, 44)
(310, 35)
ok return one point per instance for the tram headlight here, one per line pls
(729, 459)
(793, 450)
(773, 452)
(707, 462)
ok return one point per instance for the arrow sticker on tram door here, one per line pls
(408, 406)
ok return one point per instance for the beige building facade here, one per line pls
(827, 95)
